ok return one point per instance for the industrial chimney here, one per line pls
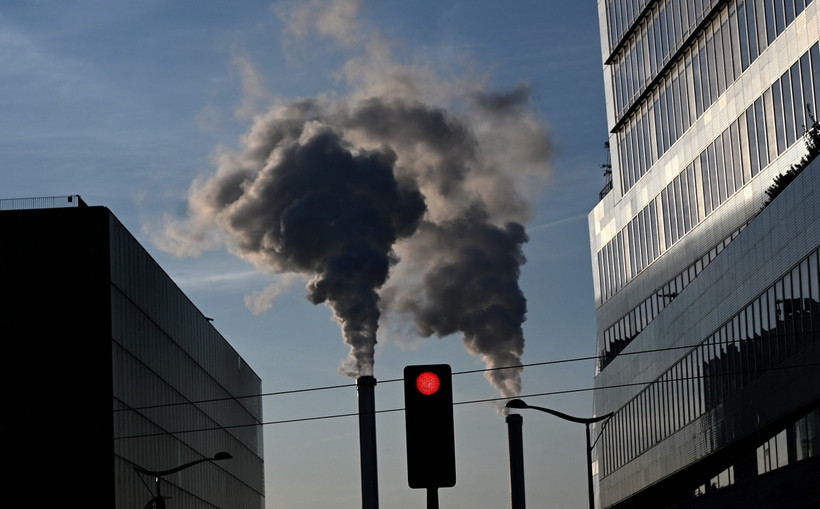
(367, 441)
(514, 429)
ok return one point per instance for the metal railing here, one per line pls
(48, 202)
(607, 188)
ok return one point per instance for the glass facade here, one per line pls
(618, 335)
(661, 89)
(707, 303)
(771, 124)
(774, 327)
(175, 388)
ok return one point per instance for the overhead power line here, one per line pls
(458, 403)
(390, 380)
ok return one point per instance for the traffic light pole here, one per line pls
(432, 498)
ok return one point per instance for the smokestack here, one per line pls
(514, 426)
(367, 441)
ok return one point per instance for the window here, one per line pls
(789, 10)
(706, 180)
(805, 71)
(751, 27)
(771, 144)
(684, 198)
(760, 125)
(788, 108)
(712, 69)
(815, 72)
(797, 98)
(770, 21)
(807, 436)
(760, 15)
(779, 122)
(723, 479)
(720, 170)
(779, 16)
(674, 111)
(696, 83)
(742, 38)
(720, 66)
(733, 52)
(666, 218)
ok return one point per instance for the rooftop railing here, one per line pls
(48, 202)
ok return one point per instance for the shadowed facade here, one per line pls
(110, 366)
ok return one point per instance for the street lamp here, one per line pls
(157, 474)
(520, 404)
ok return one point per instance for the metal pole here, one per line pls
(432, 498)
(367, 441)
(517, 403)
(160, 501)
(589, 471)
(514, 432)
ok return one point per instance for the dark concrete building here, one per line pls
(108, 366)
(708, 307)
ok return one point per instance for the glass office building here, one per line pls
(109, 366)
(708, 304)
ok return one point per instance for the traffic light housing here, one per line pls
(428, 415)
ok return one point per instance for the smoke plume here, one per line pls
(403, 199)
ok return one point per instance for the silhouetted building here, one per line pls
(108, 365)
(708, 308)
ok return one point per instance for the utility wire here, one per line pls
(458, 403)
(392, 380)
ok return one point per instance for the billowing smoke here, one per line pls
(470, 286)
(404, 200)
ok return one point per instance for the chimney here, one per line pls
(515, 423)
(367, 441)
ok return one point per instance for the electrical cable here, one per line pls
(391, 380)
(468, 402)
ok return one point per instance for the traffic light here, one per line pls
(428, 415)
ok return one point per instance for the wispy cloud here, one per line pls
(208, 278)
(261, 301)
(337, 20)
(546, 226)
(254, 93)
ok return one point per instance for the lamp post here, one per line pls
(157, 474)
(586, 421)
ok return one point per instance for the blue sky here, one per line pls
(128, 103)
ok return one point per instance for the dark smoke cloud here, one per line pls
(315, 207)
(471, 288)
(505, 103)
(448, 145)
(405, 200)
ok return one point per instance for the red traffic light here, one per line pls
(428, 417)
(428, 383)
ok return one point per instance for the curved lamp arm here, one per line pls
(517, 403)
(159, 473)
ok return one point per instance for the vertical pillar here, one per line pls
(590, 489)
(367, 441)
(514, 431)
